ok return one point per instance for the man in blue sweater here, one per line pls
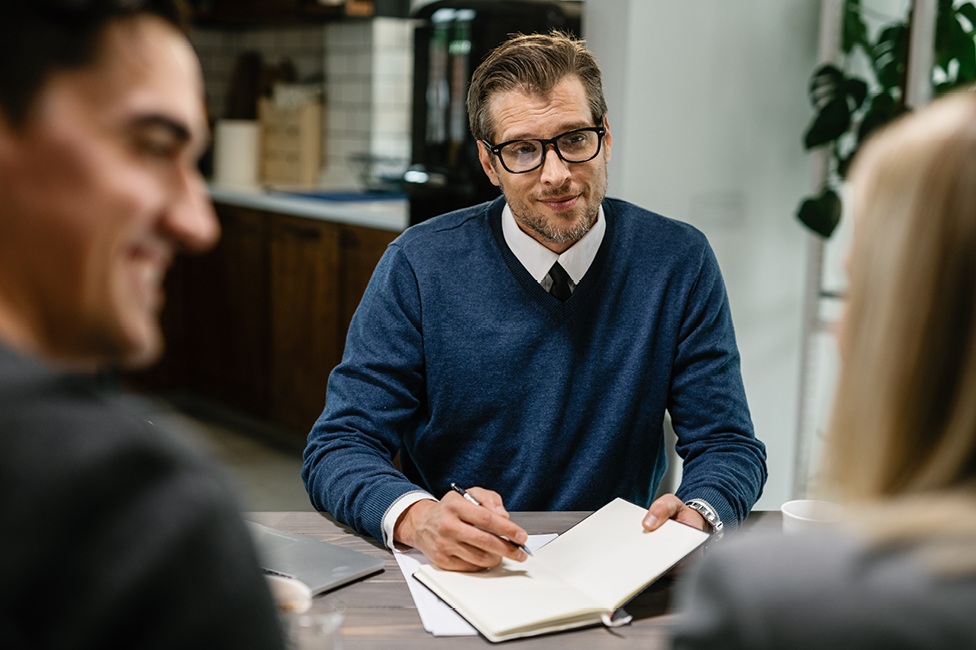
(532, 344)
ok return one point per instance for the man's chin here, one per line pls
(142, 355)
(566, 235)
(132, 348)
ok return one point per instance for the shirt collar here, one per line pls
(537, 259)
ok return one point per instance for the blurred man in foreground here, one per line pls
(114, 535)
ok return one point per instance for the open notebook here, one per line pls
(579, 579)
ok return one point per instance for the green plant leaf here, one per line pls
(879, 113)
(844, 164)
(831, 123)
(856, 90)
(855, 33)
(967, 63)
(836, 97)
(969, 11)
(825, 85)
(962, 48)
(821, 214)
(888, 55)
(944, 17)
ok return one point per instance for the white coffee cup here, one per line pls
(804, 515)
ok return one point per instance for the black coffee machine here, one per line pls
(451, 39)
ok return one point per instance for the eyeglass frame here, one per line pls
(496, 149)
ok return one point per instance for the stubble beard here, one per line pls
(555, 233)
(550, 232)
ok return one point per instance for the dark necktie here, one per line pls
(560, 283)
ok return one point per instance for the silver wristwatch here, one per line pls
(705, 509)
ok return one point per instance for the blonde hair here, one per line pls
(904, 420)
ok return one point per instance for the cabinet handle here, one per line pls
(302, 233)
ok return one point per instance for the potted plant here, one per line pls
(849, 108)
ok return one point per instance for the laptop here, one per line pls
(320, 565)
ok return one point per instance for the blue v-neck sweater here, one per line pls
(461, 362)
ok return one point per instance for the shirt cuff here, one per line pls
(396, 509)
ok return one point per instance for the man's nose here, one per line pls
(555, 171)
(190, 219)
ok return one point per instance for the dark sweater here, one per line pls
(826, 589)
(461, 362)
(114, 535)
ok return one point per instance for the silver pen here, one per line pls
(460, 490)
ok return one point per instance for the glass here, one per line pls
(521, 156)
(317, 628)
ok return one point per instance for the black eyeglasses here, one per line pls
(521, 156)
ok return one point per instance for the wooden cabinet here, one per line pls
(305, 278)
(319, 272)
(227, 315)
(259, 322)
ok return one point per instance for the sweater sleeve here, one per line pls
(724, 463)
(374, 396)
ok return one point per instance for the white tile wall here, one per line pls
(218, 50)
(345, 137)
(391, 91)
(367, 67)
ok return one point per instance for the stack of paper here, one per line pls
(437, 617)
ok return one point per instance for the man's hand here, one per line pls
(671, 507)
(449, 532)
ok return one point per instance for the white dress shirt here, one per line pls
(537, 260)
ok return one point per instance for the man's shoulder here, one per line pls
(653, 232)
(66, 427)
(448, 228)
(39, 398)
(124, 505)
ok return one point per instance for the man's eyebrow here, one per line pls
(565, 129)
(177, 129)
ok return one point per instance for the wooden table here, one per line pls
(380, 613)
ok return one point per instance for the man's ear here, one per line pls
(485, 157)
(607, 140)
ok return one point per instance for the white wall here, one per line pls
(707, 107)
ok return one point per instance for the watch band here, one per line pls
(705, 509)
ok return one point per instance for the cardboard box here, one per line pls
(291, 143)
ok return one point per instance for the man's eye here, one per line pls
(574, 139)
(157, 148)
(523, 148)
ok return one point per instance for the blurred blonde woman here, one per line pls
(901, 452)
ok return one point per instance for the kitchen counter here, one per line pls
(384, 213)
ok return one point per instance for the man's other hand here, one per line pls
(671, 507)
(449, 532)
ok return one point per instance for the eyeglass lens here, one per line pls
(573, 147)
